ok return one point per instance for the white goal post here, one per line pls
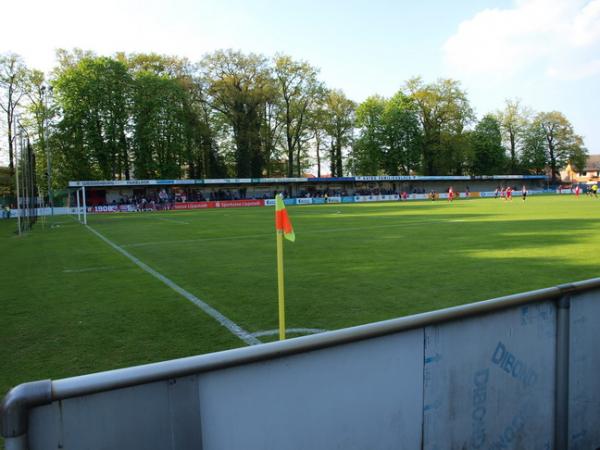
(81, 205)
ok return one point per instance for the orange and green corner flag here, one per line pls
(282, 220)
(283, 228)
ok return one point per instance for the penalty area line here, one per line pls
(234, 328)
(289, 330)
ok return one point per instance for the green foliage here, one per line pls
(443, 111)
(390, 137)
(238, 86)
(402, 136)
(40, 111)
(13, 74)
(488, 157)
(368, 149)
(159, 113)
(93, 95)
(6, 185)
(339, 122)
(236, 114)
(561, 144)
(514, 121)
(533, 154)
(299, 90)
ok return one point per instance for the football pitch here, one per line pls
(144, 287)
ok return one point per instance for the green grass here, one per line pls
(71, 304)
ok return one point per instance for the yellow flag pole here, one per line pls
(280, 285)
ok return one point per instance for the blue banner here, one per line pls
(331, 180)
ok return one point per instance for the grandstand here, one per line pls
(126, 195)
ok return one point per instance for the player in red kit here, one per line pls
(509, 193)
(450, 194)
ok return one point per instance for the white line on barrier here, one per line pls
(224, 321)
(289, 330)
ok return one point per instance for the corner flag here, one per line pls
(283, 227)
(282, 221)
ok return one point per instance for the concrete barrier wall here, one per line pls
(584, 374)
(484, 375)
(489, 380)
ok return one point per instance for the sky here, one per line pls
(544, 52)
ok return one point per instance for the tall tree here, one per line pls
(299, 89)
(367, 153)
(237, 86)
(160, 111)
(402, 136)
(169, 133)
(204, 160)
(533, 155)
(390, 137)
(271, 130)
(171, 67)
(514, 120)
(562, 144)
(488, 154)
(13, 74)
(317, 123)
(41, 111)
(339, 126)
(94, 96)
(443, 112)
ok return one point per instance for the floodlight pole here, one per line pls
(25, 182)
(17, 176)
(47, 147)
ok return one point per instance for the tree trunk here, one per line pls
(318, 155)
(513, 151)
(289, 139)
(338, 154)
(332, 159)
(298, 165)
(552, 159)
(11, 163)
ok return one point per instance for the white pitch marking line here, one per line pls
(187, 241)
(89, 269)
(262, 235)
(289, 330)
(224, 321)
(179, 222)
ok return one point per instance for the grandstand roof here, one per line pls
(225, 181)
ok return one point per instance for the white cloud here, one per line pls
(586, 26)
(182, 27)
(575, 71)
(559, 35)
